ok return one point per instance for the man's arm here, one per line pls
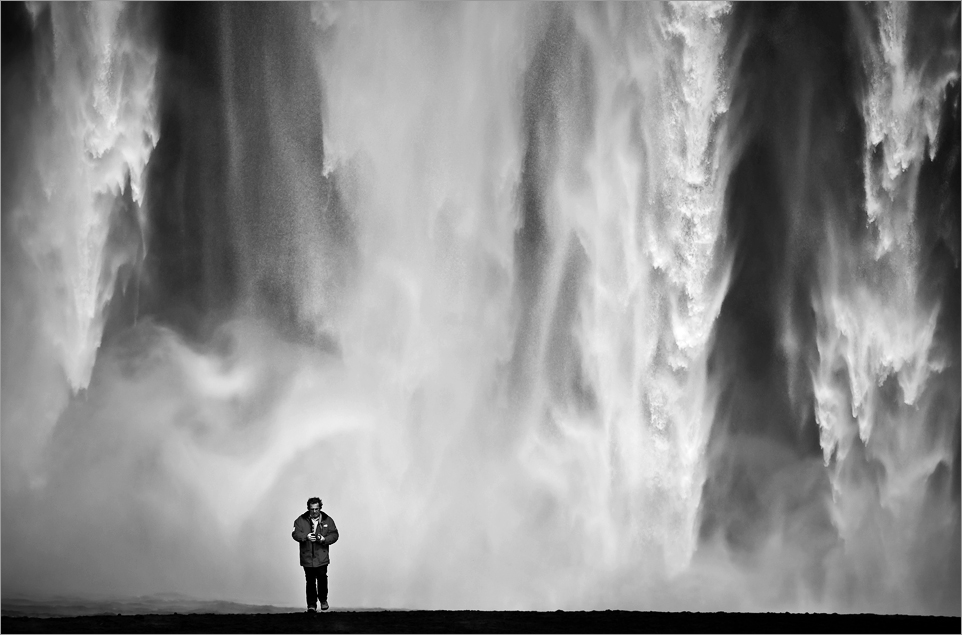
(299, 534)
(331, 536)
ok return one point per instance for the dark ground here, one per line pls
(483, 622)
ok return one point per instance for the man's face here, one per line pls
(315, 510)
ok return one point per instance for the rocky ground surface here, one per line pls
(481, 622)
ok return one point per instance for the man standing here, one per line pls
(315, 532)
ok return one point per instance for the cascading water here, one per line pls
(556, 306)
(80, 221)
(886, 378)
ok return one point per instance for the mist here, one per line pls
(556, 306)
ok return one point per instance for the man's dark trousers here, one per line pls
(316, 578)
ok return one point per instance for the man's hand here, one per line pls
(312, 537)
(320, 538)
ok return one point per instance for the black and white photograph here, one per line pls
(480, 317)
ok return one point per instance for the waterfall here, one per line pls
(80, 220)
(580, 306)
(886, 383)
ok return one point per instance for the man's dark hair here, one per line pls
(312, 500)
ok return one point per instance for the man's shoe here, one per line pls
(324, 606)
(311, 609)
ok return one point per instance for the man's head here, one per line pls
(314, 506)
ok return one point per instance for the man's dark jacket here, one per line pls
(314, 554)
